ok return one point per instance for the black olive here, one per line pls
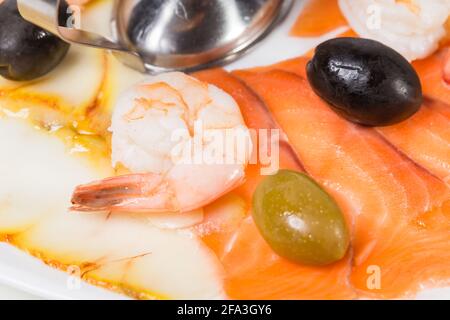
(26, 51)
(365, 81)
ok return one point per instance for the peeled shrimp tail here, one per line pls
(138, 192)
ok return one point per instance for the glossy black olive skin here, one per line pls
(27, 52)
(365, 81)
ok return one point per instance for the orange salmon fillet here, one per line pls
(253, 270)
(386, 193)
(428, 131)
(318, 17)
(431, 73)
(256, 116)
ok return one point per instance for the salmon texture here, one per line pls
(392, 184)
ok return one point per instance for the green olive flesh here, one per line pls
(300, 220)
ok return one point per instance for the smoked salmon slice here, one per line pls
(431, 73)
(411, 256)
(317, 18)
(256, 116)
(253, 270)
(428, 131)
(425, 138)
(385, 192)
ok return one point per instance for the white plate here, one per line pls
(21, 271)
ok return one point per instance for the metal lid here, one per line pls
(161, 35)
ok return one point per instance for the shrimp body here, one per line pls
(171, 132)
(412, 27)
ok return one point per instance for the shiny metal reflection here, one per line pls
(162, 35)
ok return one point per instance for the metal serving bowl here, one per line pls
(162, 35)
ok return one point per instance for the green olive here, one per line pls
(300, 220)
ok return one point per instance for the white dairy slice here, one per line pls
(38, 177)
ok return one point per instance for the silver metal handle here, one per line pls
(48, 14)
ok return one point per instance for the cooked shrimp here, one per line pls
(412, 27)
(170, 132)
